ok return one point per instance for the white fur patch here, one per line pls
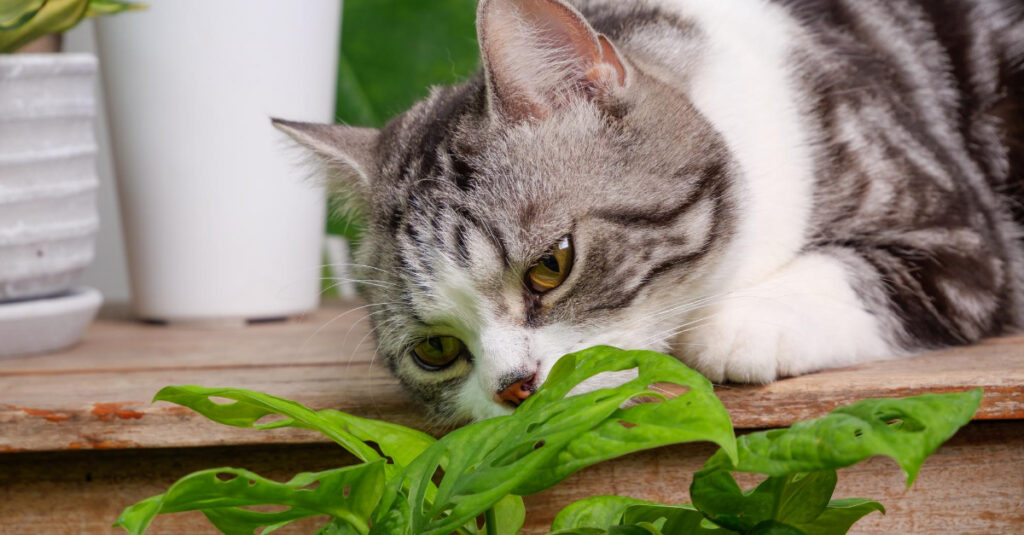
(767, 331)
(741, 85)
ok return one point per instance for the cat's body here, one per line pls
(762, 188)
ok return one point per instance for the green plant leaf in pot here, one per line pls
(789, 499)
(349, 494)
(597, 512)
(907, 430)
(839, 516)
(400, 443)
(552, 436)
(23, 21)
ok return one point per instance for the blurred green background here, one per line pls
(392, 51)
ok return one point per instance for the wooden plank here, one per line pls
(997, 366)
(973, 485)
(96, 396)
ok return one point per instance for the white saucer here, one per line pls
(46, 324)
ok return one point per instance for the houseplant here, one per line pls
(48, 218)
(410, 484)
(220, 224)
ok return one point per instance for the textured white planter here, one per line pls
(48, 181)
(219, 221)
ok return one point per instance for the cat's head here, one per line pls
(561, 199)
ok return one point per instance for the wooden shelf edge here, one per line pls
(96, 396)
(127, 425)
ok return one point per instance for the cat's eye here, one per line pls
(552, 269)
(438, 352)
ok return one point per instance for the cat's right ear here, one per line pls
(348, 150)
(540, 54)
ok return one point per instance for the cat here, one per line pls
(763, 188)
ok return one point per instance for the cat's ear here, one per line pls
(348, 150)
(538, 54)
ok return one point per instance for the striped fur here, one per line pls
(763, 188)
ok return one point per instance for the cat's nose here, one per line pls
(517, 392)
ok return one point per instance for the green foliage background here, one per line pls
(392, 51)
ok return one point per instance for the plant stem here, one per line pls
(489, 520)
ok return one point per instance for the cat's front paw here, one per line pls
(738, 344)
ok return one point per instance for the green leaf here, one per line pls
(679, 519)
(23, 21)
(349, 493)
(336, 527)
(552, 436)
(788, 499)
(509, 515)
(771, 527)
(839, 516)
(717, 495)
(800, 497)
(14, 14)
(237, 521)
(907, 430)
(638, 529)
(112, 7)
(594, 512)
(400, 443)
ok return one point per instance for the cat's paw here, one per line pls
(737, 343)
(803, 319)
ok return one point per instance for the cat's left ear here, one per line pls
(539, 54)
(349, 150)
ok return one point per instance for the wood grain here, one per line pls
(96, 395)
(973, 485)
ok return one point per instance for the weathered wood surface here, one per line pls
(974, 485)
(96, 396)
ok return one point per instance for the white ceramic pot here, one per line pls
(220, 222)
(48, 218)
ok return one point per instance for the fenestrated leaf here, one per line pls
(551, 436)
(907, 430)
(594, 512)
(839, 516)
(695, 415)
(349, 493)
(400, 443)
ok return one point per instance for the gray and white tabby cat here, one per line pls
(762, 188)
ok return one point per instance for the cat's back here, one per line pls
(949, 72)
(960, 62)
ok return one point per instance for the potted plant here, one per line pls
(48, 180)
(221, 223)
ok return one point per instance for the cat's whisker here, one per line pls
(352, 264)
(336, 318)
